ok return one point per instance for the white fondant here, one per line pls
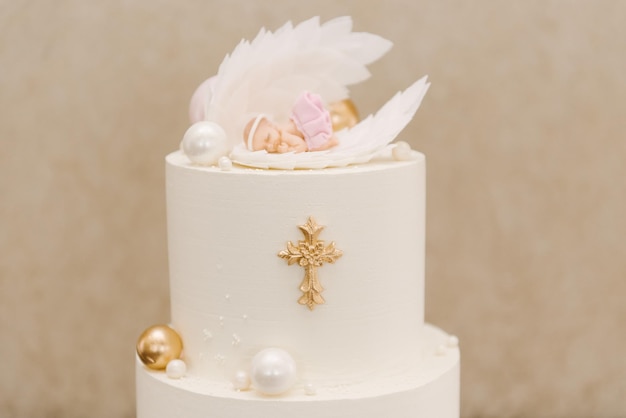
(225, 230)
(430, 390)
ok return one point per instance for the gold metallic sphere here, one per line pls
(343, 114)
(158, 345)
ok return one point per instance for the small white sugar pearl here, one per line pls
(241, 380)
(309, 389)
(441, 350)
(402, 151)
(453, 341)
(225, 163)
(176, 369)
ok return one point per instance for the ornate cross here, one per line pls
(310, 254)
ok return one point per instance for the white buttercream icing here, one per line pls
(430, 390)
(365, 352)
(225, 230)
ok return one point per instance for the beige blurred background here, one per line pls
(524, 133)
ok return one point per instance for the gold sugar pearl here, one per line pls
(343, 114)
(158, 345)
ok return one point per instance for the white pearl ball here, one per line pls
(241, 380)
(402, 151)
(453, 341)
(273, 371)
(204, 143)
(225, 163)
(441, 350)
(176, 369)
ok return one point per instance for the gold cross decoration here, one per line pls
(310, 254)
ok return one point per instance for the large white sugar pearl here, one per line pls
(273, 371)
(176, 369)
(204, 143)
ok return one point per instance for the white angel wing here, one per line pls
(376, 131)
(357, 145)
(268, 73)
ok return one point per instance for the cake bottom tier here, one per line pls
(430, 391)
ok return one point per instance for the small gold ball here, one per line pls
(158, 345)
(343, 114)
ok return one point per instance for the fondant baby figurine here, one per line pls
(309, 129)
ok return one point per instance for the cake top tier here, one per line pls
(282, 101)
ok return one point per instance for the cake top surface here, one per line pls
(282, 101)
(402, 155)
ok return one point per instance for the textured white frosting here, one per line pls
(429, 390)
(365, 353)
(231, 295)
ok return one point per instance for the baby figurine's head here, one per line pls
(261, 134)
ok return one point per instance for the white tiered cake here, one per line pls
(299, 291)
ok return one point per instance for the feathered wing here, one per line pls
(266, 75)
(377, 131)
(356, 145)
